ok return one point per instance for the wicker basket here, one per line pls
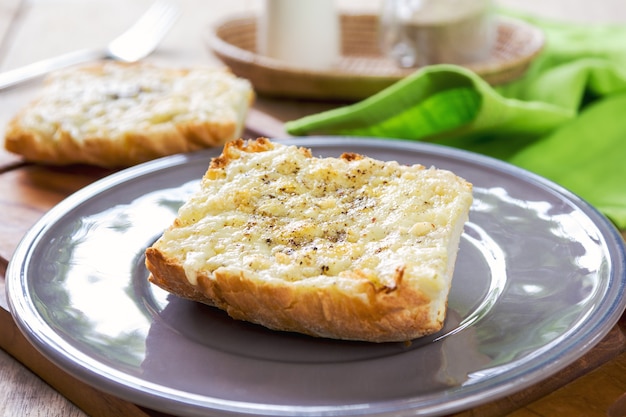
(362, 69)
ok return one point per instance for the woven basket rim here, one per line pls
(510, 64)
(533, 47)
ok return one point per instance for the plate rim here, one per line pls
(149, 396)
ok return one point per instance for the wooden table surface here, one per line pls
(33, 29)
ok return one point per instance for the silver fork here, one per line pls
(131, 46)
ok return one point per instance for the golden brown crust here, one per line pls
(349, 306)
(363, 313)
(167, 275)
(221, 161)
(133, 148)
(39, 137)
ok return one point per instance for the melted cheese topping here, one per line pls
(281, 214)
(112, 99)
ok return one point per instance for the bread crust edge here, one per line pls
(352, 309)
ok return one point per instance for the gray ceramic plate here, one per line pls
(539, 280)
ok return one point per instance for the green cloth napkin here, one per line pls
(565, 119)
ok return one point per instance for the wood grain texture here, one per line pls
(42, 396)
(600, 393)
(592, 386)
(94, 402)
(8, 11)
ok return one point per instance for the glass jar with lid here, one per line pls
(416, 33)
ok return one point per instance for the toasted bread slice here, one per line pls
(114, 114)
(347, 248)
